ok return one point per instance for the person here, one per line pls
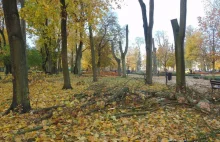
(158, 73)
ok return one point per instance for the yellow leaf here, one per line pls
(124, 138)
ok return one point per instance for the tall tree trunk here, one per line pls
(67, 84)
(116, 58)
(123, 54)
(77, 67)
(21, 99)
(154, 58)
(179, 35)
(93, 54)
(99, 62)
(148, 37)
(71, 62)
(213, 51)
(3, 37)
(59, 65)
(123, 66)
(138, 67)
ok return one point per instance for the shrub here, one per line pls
(211, 77)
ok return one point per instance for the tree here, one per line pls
(171, 61)
(123, 54)
(118, 60)
(148, 37)
(154, 58)
(67, 84)
(195, 49)
(4, 47)
(163, 48)
(34, 58)
(104, 35)
(139, 41)
(43, 18)
(210, 26)
(179, 36)
(21, 99)
(93, 54)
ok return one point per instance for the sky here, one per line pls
(164, 11)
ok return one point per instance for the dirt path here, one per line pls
(200, 84)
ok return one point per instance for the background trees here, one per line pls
(163, 51)
(195, 51)
(210, 27)
(139, 41)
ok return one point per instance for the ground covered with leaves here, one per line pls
(112, 109)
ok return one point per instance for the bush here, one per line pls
(194, 75)
(211, 77)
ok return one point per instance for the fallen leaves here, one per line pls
(70, 122)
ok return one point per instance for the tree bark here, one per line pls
(77, 67)
(123, 54)
(117, 59)
(179, 35)
(67, 84)
(148, 37)
(93, 54)
(21, 100)
(99, 62)
(23, 23)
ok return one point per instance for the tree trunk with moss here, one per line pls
(21, 99)
(179, 35)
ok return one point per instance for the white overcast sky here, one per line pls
(164, 11)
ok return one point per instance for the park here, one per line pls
(69, 71)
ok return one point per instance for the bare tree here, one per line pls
(148, 37)
(123, 54)
(163, 47)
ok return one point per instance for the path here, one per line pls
(200, 85)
